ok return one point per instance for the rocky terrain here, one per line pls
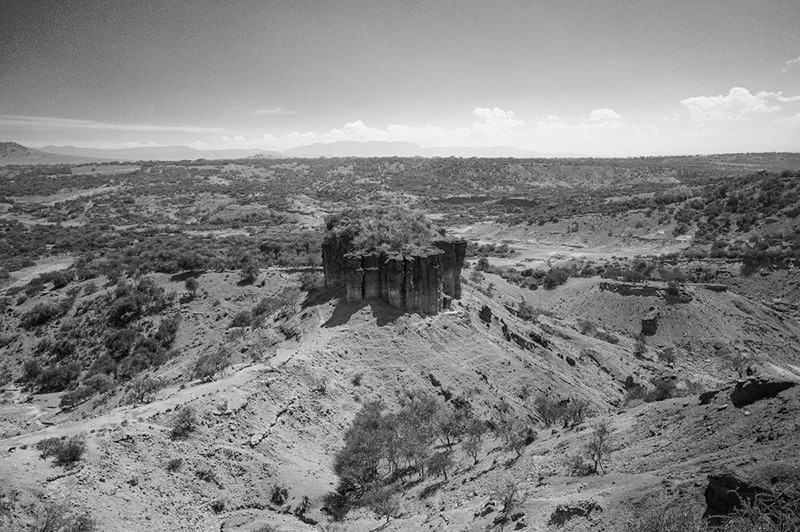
(167, 380)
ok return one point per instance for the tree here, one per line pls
(185, 422)
(599, 446)
(191, 286)
(382, 502)
(439, 463)
(250, 269)
(476, 429)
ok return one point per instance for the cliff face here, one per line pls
(414, 282)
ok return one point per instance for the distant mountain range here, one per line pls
(13, 153)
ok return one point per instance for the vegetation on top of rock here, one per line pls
(381, 229)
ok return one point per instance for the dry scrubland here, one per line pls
(624, 355)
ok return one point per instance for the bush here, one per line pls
(184, 423)
(670, 519)
(210, 364)
(40, 314)
(67, 452)
(59, 518)
(279, 495)
(242, 319)
(168, 330)
(31, 369)
(206, 474)
(311, 280)
(174, 465)
(58, 378)
(143, 388)
(76, 397)
(99, 382)
(599, 447)
(120, 343)
(607, 337)
(577, 466)
(191, 286)
(555, 277)
(662, 389)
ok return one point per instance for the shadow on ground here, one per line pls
(383, 313)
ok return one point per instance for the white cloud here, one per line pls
(496, 124)
(46, 123)
(793, 121)
(604, 115)
(273, 111)
(736, 105)
(602, 119)
(789, 63)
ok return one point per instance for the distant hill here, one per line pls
(13, 153)
(158, 153)
(348, 148)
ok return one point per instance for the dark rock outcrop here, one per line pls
(751, 390)
(725, 493)
(413, 281)
(650, 322)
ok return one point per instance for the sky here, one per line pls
(597, 77)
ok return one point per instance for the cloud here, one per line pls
(46, 123)
(793, 121)
(789, 63)
(602, 119)
(273, 111)
(603, 115)
(734, 106)
(495, 122)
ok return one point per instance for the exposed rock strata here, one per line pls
(415, 282)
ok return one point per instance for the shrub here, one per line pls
(120, 343)
(210, 364)
(67, 451)
(577, 466)
(123, 311)
(662, 389)
(31, 369)
(217, 506)
(76, 397)
(587, 327)
(279, 495)
(143, 388)
(184, 423)
(58, 378)
(59, 518)
(191, 286)
(168, 330)
(206, 474)
(99, 382)
(670, 519)
(599, 447)
(174, 465)
(242, 319)
(356, 380)
(555, 277)
(40, 314)
(311, 280)
(607, 337)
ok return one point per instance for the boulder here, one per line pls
(751, 390)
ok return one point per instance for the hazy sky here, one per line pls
(634, 77)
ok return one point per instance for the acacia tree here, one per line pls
(599, 446)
